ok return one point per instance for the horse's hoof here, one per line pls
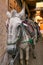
(34, 57)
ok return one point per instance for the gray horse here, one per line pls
(13, 37)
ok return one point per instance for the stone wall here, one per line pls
(3, 35)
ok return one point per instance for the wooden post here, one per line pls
(27, 9)
(25, 6)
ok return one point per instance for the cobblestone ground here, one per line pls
(39, 54)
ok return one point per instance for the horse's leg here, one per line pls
(33, 49)
(33, 46)
(27, 55)
(36, 35)
(21, 57)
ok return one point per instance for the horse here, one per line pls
(31, 28)
(24, 45)
(17, 31)
(18, 39)
(12, 31)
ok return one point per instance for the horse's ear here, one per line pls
(8, 14)
(13, 12)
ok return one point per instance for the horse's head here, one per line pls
(8, 14)
(13, 21)
(13, 28)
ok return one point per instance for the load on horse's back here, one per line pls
(29, 28)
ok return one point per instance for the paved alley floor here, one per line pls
(39, 54)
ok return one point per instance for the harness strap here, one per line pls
(14, 42)
(30, 41)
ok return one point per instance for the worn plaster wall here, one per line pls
(3, 35)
